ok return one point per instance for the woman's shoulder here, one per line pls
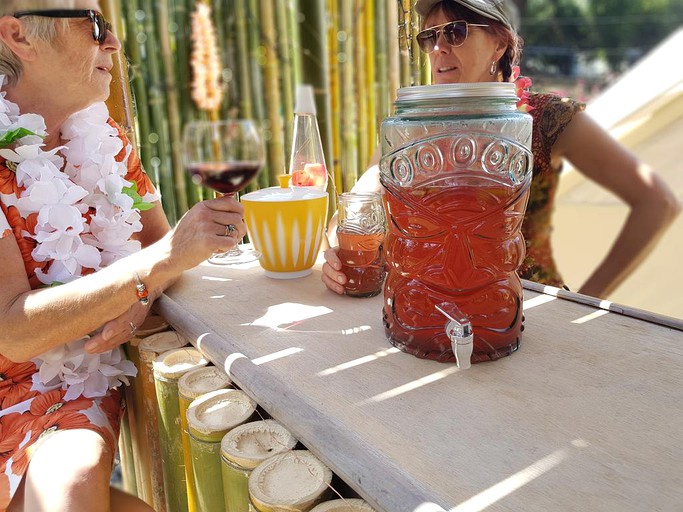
(543, 102)
(551, 114)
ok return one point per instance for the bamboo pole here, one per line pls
(119, 104)
(159, 136)
(244, 448)
(244, 75)
(257, 58)
(149, 349)
(153, 324)
(275, 133)
(381, 60)
(393, 7)
(404, 7)
(209, 418)
(348, 95)
(293, 10)
(172, 112)
(314, 64)
(312, 476)
(133, 50)
(334, 153)
(360, 58)
(168, 368)
(370, 90)
(284, 53)
(190, 386)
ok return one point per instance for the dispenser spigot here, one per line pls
(459, 331)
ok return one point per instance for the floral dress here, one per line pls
(551, 115)
(29, 413)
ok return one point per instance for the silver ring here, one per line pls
(133, 327)
(230, 229)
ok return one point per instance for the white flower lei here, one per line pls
(91, 181)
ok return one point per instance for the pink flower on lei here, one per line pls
(522, 85)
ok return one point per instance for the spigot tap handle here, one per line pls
(459, 331)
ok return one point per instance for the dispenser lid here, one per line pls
(345, 505)
(249, 444)
(460, 90)
(281, 195)
(202, 380)
(294, 480)
(219, 411)
(305, 100)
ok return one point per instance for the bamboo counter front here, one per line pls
(587, 415)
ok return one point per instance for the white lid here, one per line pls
(305, 100)
(293, 479)
(162, 342)
(281, 195)
(202, 380)
(219, 411)
(175, 363)
(345, 505)
(251, 443)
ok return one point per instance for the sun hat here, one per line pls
(503, 11)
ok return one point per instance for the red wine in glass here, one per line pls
(225, 156)
(224, 177)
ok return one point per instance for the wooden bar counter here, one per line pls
(586, 416)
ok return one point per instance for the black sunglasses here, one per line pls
(454, 33)
(100, 26)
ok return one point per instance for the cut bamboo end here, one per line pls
(153, 324)
(213, 414)
(201, 381)
(294, 480)
(151, 346)
(173, 364)
(250, 444)
(345, 505)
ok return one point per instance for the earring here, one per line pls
(492, 71)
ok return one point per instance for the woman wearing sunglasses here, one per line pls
(85, 247)
(475, 41)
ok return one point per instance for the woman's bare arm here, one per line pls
(34, 321)
(653, 206)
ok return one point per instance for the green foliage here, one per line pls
(138, 202)
(620, 31)
(14, 135)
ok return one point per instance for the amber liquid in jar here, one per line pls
(362, 262)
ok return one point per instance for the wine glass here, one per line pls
(224, 156)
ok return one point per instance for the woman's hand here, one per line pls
(332, 276)
(215, 225)
(119, 330)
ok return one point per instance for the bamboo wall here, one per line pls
(355, 53)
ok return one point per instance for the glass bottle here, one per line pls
(307, 164)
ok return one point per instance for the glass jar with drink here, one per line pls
(361, 231)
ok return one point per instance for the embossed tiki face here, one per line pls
(458, 209)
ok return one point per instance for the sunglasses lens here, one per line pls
(427, 40)
(455, 33)
(99, 28)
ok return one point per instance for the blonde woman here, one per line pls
(85, 247)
